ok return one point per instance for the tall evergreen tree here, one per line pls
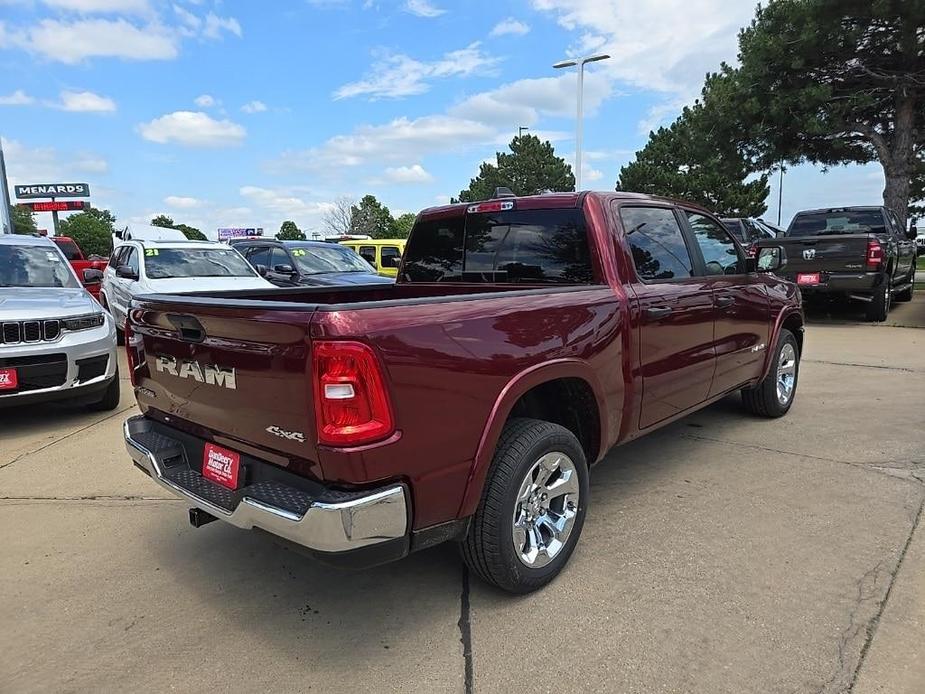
(531, 167)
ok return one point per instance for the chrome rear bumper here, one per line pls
(359, 521)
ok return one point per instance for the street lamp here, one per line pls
(580, 62)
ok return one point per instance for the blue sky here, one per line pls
(246, 113)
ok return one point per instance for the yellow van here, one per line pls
(382, 254)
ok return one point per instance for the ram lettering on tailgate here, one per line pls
(187, 368)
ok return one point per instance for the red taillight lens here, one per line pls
(134, 350)
(351, 402)
(130, 352)
(874, 254)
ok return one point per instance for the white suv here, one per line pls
(56, 343)
(172, 267)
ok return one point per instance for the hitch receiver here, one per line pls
(198, 517)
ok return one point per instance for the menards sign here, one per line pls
(53, 190)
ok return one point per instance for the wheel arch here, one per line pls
(564, 391)
(790, 320)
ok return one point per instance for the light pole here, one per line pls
(580, 62)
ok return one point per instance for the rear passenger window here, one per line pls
(435, 251)
(259, 256)
(659, 250)
(391, 256)
(530, 246)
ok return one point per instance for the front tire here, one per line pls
(110, 399)
(774, 395)
(532, 509)
(906, 294)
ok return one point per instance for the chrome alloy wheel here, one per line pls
(786, 373)
(544, 512)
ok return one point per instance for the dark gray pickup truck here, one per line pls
(859, 253)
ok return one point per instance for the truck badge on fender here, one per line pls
(187, 368)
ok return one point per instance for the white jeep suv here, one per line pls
(56, 343)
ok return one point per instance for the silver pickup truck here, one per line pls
(56, 341)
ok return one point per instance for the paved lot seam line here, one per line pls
(905, 369)
(93, 497)
(875, 622)
(65, 437)
(465, 629)
(866, 465)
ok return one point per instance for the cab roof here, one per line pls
(556, 201)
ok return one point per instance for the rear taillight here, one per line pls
(351, 401)
(874, 254)
(134, 350)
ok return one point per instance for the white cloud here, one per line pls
(665, 45)
(254, 107)
(397, 140)
(205, 101)
(215, 25)
(408, 174)
(423, 8)
(398, 75)
(192, 129)
(283, 202)
(191, 23)
(182, 202)
(85, 102)
(102, 6)
(510, 26)
(42, 164)
(72, 42)
(17, 98)
(524, 101)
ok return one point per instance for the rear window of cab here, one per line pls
(513, 246)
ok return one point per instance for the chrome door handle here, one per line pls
(723, 301)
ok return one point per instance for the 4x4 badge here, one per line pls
(283, 434)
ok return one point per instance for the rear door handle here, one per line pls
(723, 301)
(657, 312)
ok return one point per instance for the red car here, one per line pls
(79, 262)
(524, 338)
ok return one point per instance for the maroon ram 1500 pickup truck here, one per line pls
(524, 338)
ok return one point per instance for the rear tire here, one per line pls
(110, 399)
(532, 509)
(774, 395)
(879, 307)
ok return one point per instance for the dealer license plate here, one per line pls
(808, 278)
(8, 379)
(221, 465)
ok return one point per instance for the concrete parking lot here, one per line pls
(722, 554)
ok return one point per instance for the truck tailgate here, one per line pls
(244, 375)
(829, 253)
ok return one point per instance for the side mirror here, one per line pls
(912, 233)
(125, 272)
(770, 259)
(261, 270)
(283, 269)
(92, 276)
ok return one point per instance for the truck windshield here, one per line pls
(166, 263)
(317, 260)
(34, 266)
(837, 222)
(516, 246)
